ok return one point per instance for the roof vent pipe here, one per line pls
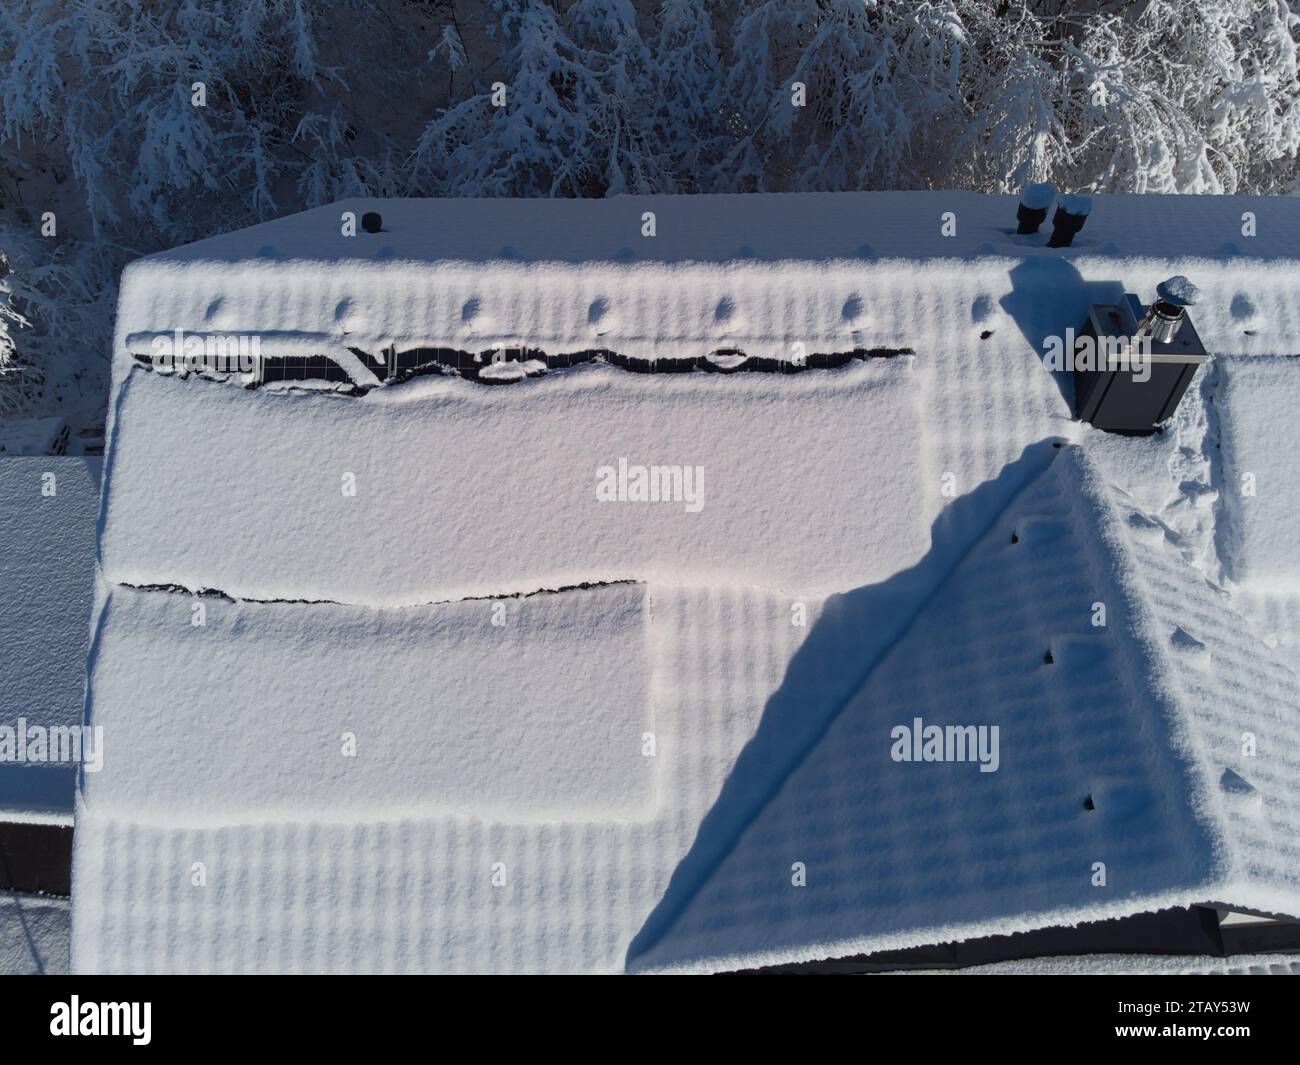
(372, 221)
(1034, 202)
(1165, 316)
(1070, 215)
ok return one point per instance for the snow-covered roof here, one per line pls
(757, 272)
(48, 507)
(470, 716)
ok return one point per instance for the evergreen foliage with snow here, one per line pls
(306, 101)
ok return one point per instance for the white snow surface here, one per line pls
(1076, 204)
(429, 696)
(703, 882)
(490, 830)
(1039, 196)
(1180, 290)
(1261, 497)
(464, 490)
(1119, 715)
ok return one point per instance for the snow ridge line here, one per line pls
(217, 593)
(523, 362)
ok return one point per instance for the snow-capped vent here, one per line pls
(1178, 290)
(1166, 315)
(1071, 213)
(1034, 201)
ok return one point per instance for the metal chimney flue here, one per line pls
(1165, 316)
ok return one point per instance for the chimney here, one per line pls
(372, 221)
(1034, 202)
(1141, 368)
(1070, 215)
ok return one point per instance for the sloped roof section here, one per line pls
(1106, 753)
(1110, 752)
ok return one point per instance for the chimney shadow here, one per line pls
(1048, 296)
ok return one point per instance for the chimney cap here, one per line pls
(1076, 204)
(1179, 291)
(1038, 197)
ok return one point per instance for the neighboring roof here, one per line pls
(622, 777)
(33, 935)
(1134, 964)
(46, 586)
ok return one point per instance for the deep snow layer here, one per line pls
(1261, 532)
(514, 709)
(806, 483)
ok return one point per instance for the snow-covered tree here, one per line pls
(522, 134)
(687, 94)
(1192, 96)
(569, 115)
(615, 98)
(143, 123)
